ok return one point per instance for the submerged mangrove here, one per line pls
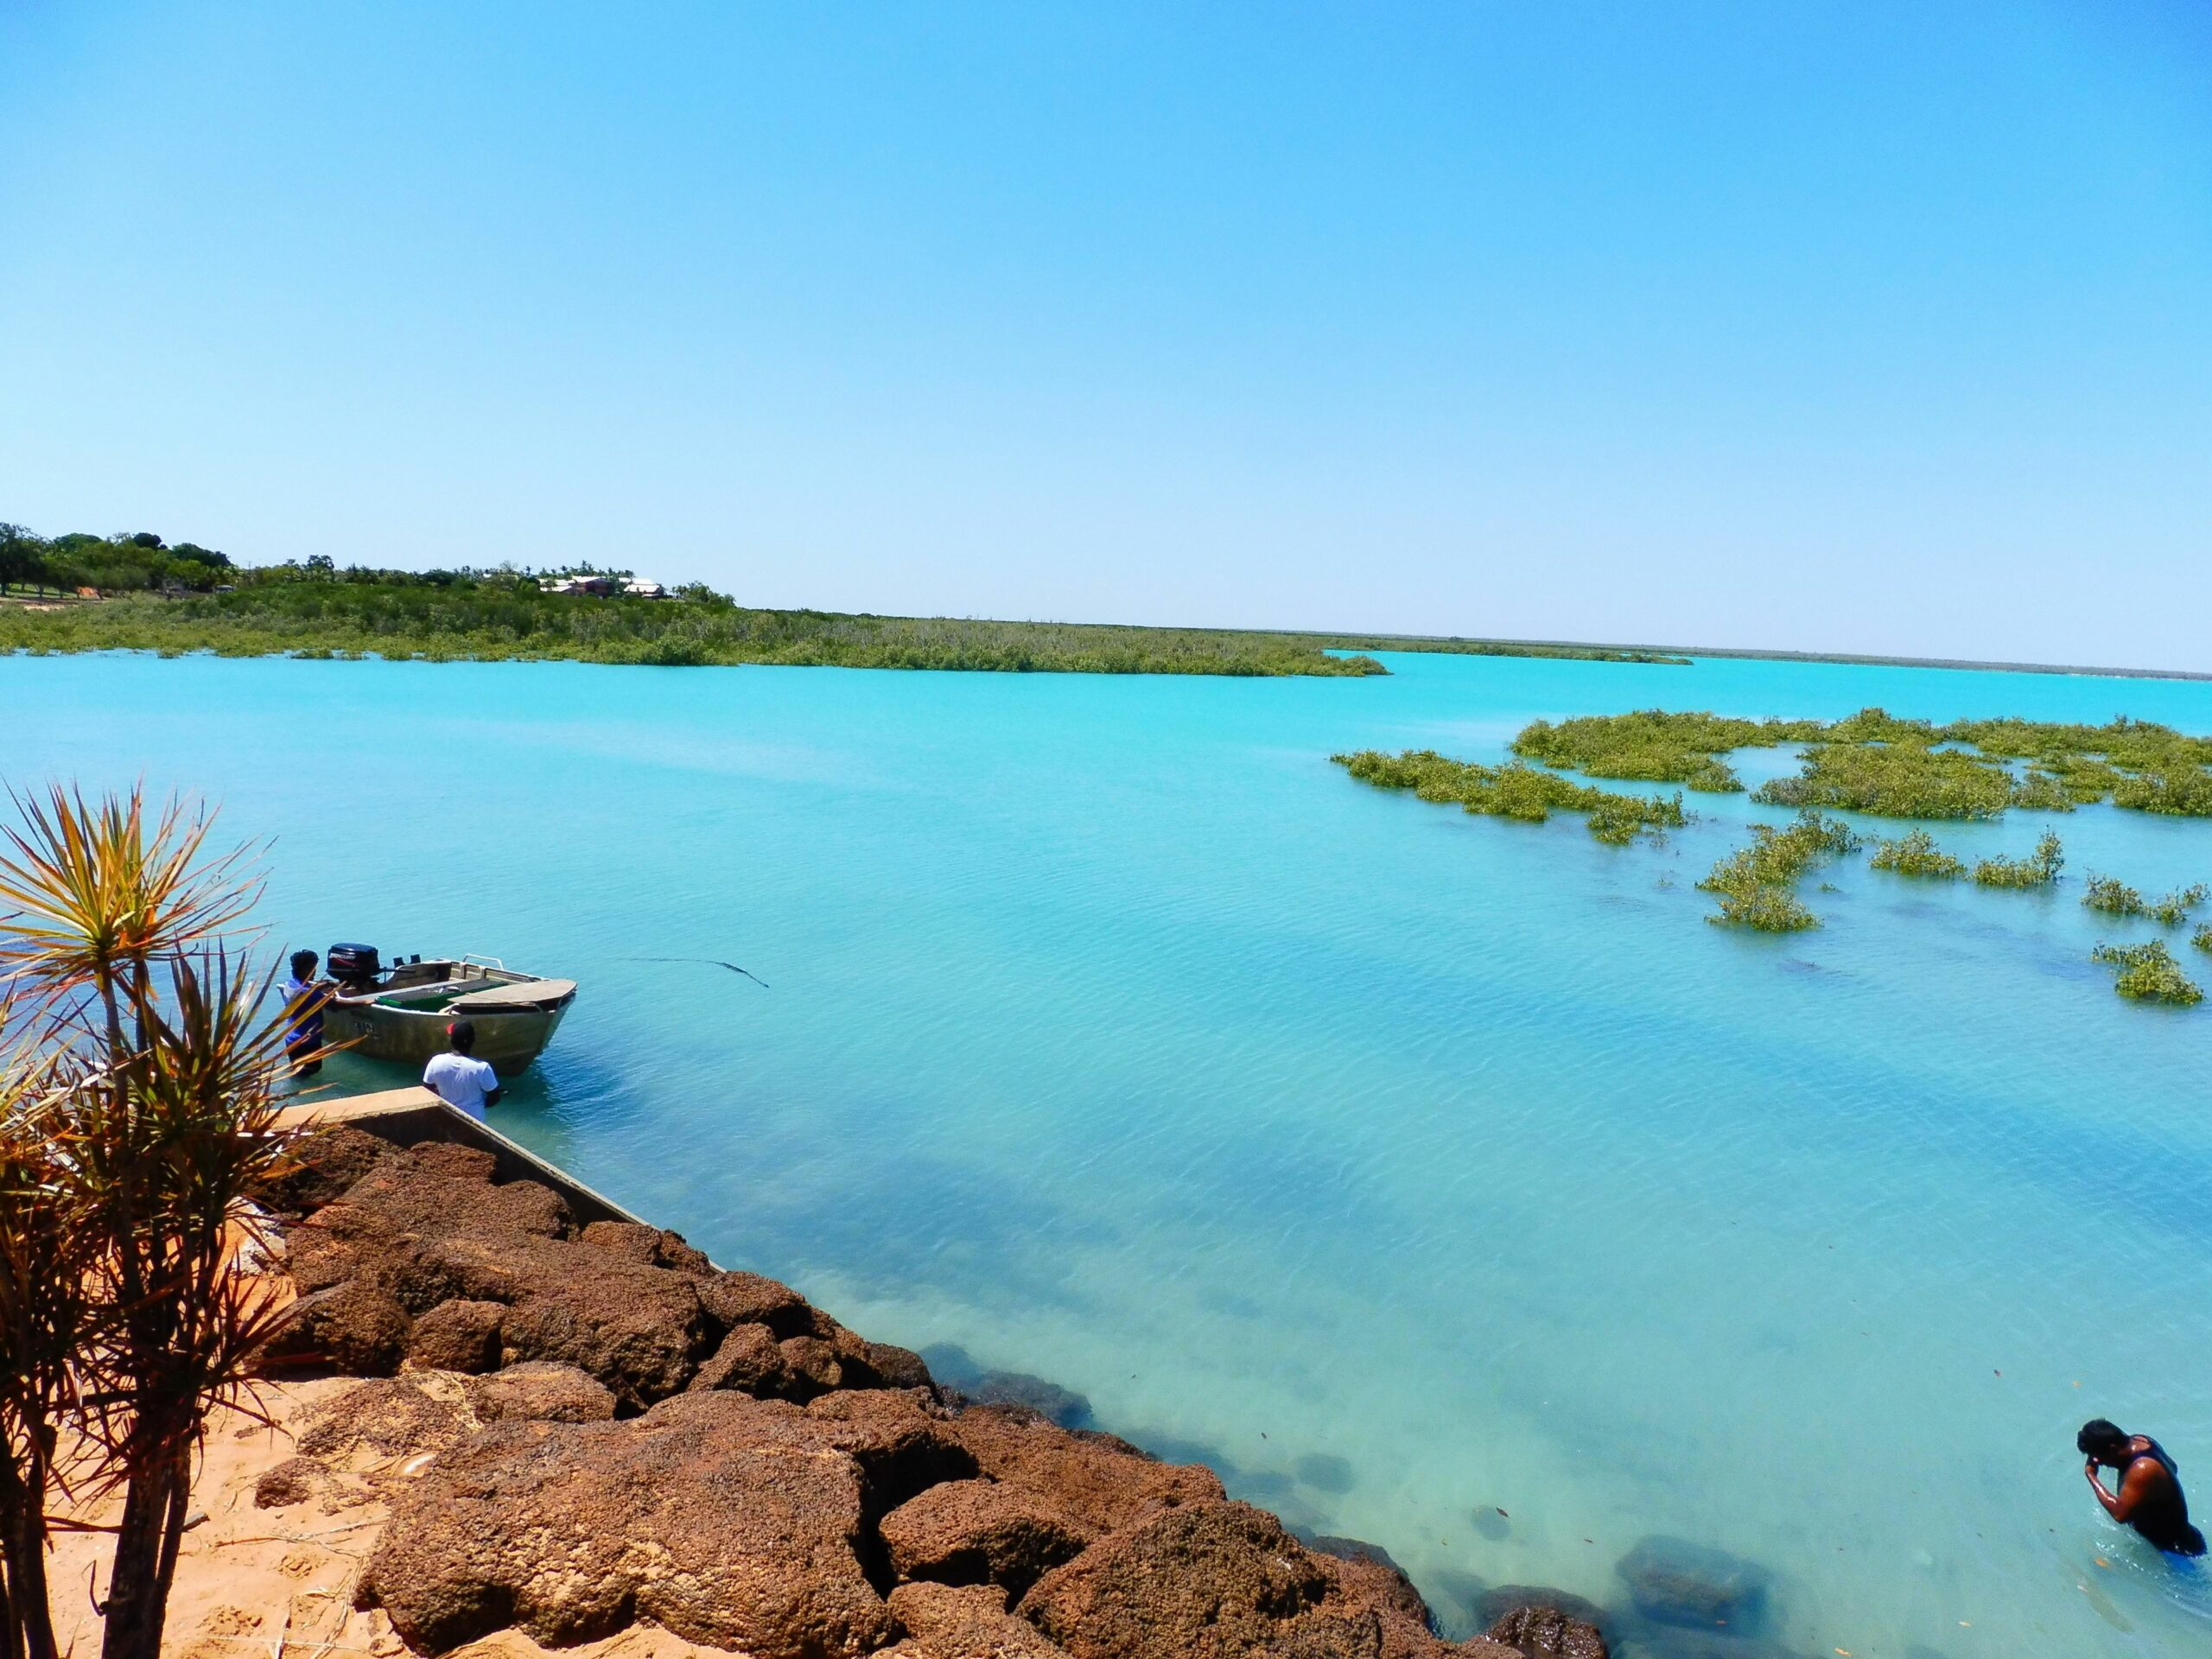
(1876, 762)
(2148, 973)
(1755, 883)
(1894, 780)
(2039, 869)
(1654, 746)
(1916, 853)
(2115, 898)
(1514, 791)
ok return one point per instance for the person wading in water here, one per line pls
(2150, 1496)
(460, 1079)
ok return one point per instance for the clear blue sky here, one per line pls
(1850, 326)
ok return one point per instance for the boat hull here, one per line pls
(508, 1039)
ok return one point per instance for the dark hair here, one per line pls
(302, 960)
(461, 1034)
(2099, 1435)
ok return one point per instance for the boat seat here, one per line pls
(527, 994)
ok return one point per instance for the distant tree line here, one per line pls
(128, 562)
(186, 598)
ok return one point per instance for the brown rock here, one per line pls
(1548, 1633)
(539, 1390)
(296, 1480)
(1205, 1582)
(980, 1532)
(894, 1367)
(1095, 1480)
(749, 1361)
(357, 1328)
(446, 1160)
(1369, 1634)
(1366, 1576)
(425, 1240)
(1328, 1636)
(967, 1622)
(457, 1336)
(1216, 1579)
(730, 1522)
(632, 1240)
(734, 1299)
(416, 1192)
(902, 1441)
(321, 1167)
(637, 1330)
(389, 1417)
(1492, 1604)
(333, 1245)
(812, 1365)
(649, 1247)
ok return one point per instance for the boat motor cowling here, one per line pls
(352, 964)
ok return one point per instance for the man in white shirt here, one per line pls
(460, 1079)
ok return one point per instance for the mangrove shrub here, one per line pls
(2039, 869)
(1652, 745)
(1515, 791)
(1916, 853)
(1874, 761)
(1754, 883)
(1895, 780)
(2114, 898)
(2148, 973)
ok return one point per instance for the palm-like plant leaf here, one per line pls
(86, 887)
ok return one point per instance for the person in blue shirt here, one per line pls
(303, 1004)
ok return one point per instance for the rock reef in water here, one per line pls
(602, 1430)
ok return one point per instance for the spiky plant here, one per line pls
(45, 1310)
(93, 896)
(172, 1053)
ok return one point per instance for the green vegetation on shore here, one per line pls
(1917, 853)
(1514, 791)
(1877, 763)
(2149, 973)
(1754, 884)
(154, 597)
(480, 617)
(1442, 647)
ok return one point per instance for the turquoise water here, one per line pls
(1404, 1165)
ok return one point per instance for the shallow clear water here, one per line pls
(1405, 1165)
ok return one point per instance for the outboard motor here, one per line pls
(354, 966)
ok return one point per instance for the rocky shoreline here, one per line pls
(583, 1429)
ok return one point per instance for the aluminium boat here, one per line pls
(399, 1012)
